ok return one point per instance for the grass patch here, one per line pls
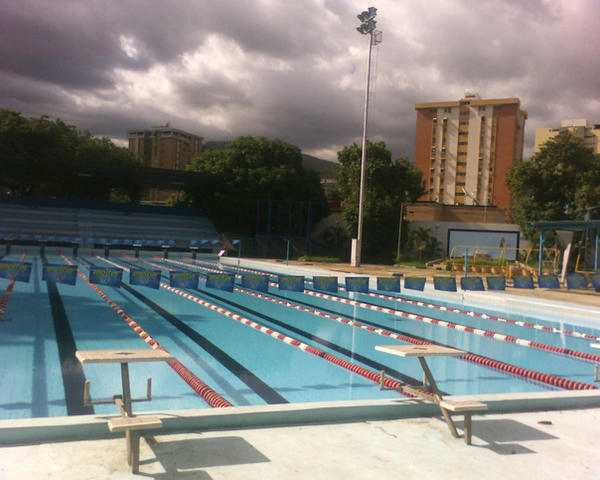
(412, 263)
(306, 258)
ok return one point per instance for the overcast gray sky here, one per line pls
(294, 69)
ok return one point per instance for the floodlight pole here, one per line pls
(367, 27)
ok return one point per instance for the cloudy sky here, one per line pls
(294, 69)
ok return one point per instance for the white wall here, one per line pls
(440, 229)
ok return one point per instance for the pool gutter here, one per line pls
(83, 427)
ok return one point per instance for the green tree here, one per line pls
(422, 240)
(56, 150)
(247, 170)
(387, 184)
(558, 183)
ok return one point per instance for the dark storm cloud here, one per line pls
(293, 70)
(211, 91)
(70, 44)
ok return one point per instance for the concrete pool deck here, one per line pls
(579, 296)
(546, 445)
(550, 443)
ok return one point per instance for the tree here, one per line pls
(558, 183)
(247, 170)
(56, 150)
(387, 184)
(424, 242)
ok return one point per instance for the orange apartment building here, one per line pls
(465, 148)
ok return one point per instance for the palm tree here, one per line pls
(425, 243)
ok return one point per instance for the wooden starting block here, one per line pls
(132, 426)
(467, 408)
(122, 424)
(127, 422)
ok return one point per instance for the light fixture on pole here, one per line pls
(477, 202)
(367, 27)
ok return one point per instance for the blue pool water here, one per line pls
(45, 322)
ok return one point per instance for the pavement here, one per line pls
(539, 445)
(547, 445)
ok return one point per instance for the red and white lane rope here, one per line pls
(553, 380)
(364, 372)
(536, 326)
(8, 291)
(588, 357)
(208, 394)
(485, 316)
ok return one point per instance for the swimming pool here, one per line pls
(248, 347)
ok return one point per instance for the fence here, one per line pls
(503, 260)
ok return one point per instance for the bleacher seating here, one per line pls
(116, 227)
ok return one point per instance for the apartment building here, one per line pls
(465, 148)
(163, 147)
(580, 128)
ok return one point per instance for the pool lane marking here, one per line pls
(336, 347)
(485, 316)
(208, 394)
(72, 372)
(550, 379)
(588, 357)
(257, 385)
(470, 313)
(584, 356)
(261, 388)
(525, 373)
(8, 291)
(362, 371)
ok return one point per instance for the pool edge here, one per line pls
(85, 427)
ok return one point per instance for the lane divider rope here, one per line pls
(485, 316)
(8, 291)
(588, 357)
(550, 379)
(362, 371)
(585, 356)
(208, 394)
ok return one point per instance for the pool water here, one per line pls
(254, 348)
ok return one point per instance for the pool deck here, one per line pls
(587, 296)
(548, 444)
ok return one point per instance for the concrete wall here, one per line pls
(440, 229)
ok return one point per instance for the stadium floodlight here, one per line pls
(367, 27)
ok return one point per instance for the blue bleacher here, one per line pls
(174, 228)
